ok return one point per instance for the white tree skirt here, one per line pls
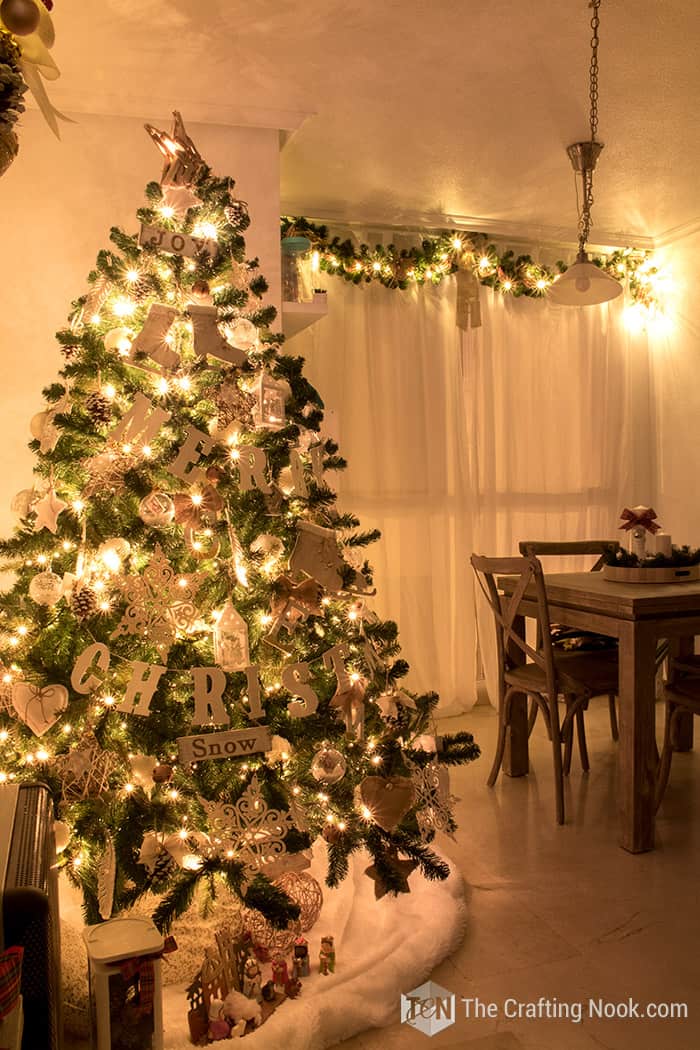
(383, 948)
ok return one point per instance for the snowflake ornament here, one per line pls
(432, 786)
(248, 830)
(160, 602)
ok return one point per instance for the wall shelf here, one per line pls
(298, 316)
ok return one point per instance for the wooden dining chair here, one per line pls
(561, 635)
(541, 673)
(682, 695)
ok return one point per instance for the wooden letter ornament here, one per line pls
(234, 743)
(176, 243)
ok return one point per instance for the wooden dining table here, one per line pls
(638, 615)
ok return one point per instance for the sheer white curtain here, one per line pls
(387, 365)
(536, 425)
(561, 435)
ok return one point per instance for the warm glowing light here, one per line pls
(123, 307)
(296, 790)
(366, 813)
(173, 794)
(166, 211)
(355, 677)
(109, 391)
(235, 453)
(457, 243)
(206, 229)
(42, 559)
(376, 760)
(22, 630)
(3, 778)
(341, 825)
(376, 266)
(197, 498)
(147, 451)
(484, 263)
(507, 285)
(104, 605)
(95, 319)
(14, 640)
(98, 586)
(325, 601)
(191, 862)
(132, 276)
(540, 284)
(162, 385)
(184, 382)
(67, 729)
(111, 561)
(182, 834)
(128, 788)
(315, 261)
(126, 448)
(322, 797)
(78, 506)
(182, 582)
(3, 735)
(42, 755)
(108, 701)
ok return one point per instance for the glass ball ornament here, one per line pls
(328, 766)
(242, 334)
(119, 339)
(157, 509)
(45, 588)
(162, 773)
(21, 17)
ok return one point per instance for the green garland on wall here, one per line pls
(444, 253)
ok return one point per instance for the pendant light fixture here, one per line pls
(584, 283)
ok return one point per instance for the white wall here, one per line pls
(677, 382)
(57, 204)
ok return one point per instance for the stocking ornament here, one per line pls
(207, 337)
(151, 339)
(316, 553)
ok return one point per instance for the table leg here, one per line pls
(683, 733)
(516, 761)
(637, 772)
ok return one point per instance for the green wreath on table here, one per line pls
(680, 557)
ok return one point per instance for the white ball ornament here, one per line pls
(119, 339)
(242, 334)
(157, 509)
(45, 588)
(328, 765)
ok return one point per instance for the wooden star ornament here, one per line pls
(401, 870)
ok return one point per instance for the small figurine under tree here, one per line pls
(300, 965)
(326, 959)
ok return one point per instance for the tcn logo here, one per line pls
(429, 1008)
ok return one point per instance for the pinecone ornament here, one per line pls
(69, 350)
(83, 603)
(99, 408)
(237, 215)
(163, 866)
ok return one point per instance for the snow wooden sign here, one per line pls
(233, 743)
(176, 243)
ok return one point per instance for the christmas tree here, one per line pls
(188, 657)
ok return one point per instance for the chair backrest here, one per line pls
(510, 645)
(570, 547)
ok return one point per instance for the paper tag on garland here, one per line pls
(468, 306)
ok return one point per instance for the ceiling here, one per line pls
(419, 112)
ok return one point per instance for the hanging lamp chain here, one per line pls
(587, 172)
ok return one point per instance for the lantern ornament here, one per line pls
(270, 397)
(231, 650)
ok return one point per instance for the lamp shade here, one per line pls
(584, 284)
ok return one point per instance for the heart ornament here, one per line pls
(388, 799)
(39, 707)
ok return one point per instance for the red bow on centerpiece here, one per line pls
(141, 968)
(639, 516)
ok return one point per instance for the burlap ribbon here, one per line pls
(306, 594)
(642, 517)
(195, 515)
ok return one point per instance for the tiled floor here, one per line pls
(562, 913)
